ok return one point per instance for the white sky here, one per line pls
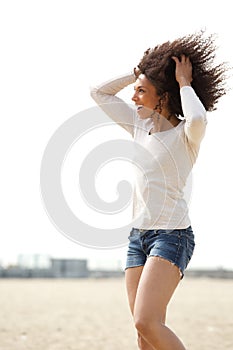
(51, 52)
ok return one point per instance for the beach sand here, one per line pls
(84, 314)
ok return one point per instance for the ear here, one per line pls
(165, 97)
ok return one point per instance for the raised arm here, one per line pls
(193, 110)
(113, 106)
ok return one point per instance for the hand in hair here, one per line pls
(183, 70)
(137, 72)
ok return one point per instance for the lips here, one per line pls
(139, 107)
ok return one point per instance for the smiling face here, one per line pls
(145, 97)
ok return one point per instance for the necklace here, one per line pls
(157, 121)
(156, 127)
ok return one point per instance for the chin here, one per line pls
(144, 112)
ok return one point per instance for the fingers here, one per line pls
(183, 70)
(176, 59)
(182, 59)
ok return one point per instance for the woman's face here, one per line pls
(145, 97)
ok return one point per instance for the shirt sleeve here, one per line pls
(118, 110)
(195, 116)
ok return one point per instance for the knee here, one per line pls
(146, 327)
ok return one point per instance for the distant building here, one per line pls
(210, 273)
(34, 261)
(39, 266)
(69, 268)
(106, 273)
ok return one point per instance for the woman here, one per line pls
(175, 84)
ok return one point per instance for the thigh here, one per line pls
(156, 286)
(132, 277)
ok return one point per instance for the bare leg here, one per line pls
(132, 277)
(158, 282)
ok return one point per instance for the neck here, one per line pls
(164, 121)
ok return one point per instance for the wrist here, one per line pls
(184, 82)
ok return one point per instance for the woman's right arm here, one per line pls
(119, 111)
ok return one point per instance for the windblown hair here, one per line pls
(208, 78)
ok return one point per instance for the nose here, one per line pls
(134, 97)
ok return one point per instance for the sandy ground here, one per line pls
(92, 314)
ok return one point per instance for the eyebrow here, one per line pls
(139, 87)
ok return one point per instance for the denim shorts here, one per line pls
(176, 246)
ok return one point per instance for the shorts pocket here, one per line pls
(190, 247)
(134, 234)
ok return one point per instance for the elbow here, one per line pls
(93, 92)
(96, 94)
(197, 118)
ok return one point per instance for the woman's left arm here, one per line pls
(193, 110)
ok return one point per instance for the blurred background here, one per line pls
(51, 53)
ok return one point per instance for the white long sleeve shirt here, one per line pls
(163, 160)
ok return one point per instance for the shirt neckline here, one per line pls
(164, 131)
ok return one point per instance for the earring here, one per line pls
(159, 106)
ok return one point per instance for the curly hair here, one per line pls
(208, 78)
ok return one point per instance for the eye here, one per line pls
(141, 90)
